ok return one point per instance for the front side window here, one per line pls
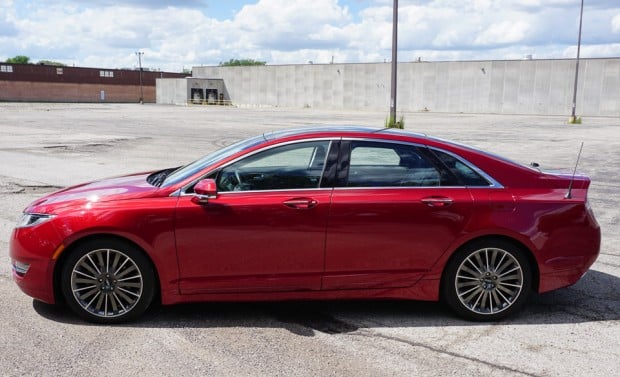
(292, 166)
(380, 164)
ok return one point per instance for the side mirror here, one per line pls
(204, 190)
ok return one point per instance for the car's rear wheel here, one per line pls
(487, 280)
(107, 281)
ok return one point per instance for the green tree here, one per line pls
(18, 59)
(239, 62)
(49, 62)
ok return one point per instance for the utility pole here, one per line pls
(140, 53)
(573, 117)
(394, 63)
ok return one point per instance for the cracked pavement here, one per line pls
(570, 332)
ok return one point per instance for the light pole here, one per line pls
(394, 64)
(573, 117)
(140, 53)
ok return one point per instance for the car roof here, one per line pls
(314, 130)
(502, 169)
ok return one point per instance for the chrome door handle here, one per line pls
(435, 201)
(301, 203)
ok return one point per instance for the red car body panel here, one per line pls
(287, 243)
(326, 243)
(389, 238)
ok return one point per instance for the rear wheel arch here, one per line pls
(527, 252)
(475, 246)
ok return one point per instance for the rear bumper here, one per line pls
(570, 251)
(564, 271)
(556, 280)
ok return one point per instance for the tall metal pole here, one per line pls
(140, 53)
(394, 63)
(573, 118)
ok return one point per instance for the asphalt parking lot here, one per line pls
(570, 332)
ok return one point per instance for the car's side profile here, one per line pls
(326, 213)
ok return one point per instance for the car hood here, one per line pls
(119, 188)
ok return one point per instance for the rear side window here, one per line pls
(466, 175)
(380, 164)
(374, 155)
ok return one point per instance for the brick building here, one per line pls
(45, 83)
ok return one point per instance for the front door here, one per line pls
(265, 231)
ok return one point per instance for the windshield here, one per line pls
(196, 166)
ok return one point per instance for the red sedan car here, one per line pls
(322, 213)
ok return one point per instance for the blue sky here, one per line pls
(180, 34)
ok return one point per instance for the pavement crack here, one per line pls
(19, 188)
(330, 325)
(304, 321)
(373, 334)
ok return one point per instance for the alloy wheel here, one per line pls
(106, 283)
(489, 281)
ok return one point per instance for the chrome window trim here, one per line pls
(398, 188)
(259, 191)
(493, 183)
(182, 190)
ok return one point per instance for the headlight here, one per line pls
(32, 219)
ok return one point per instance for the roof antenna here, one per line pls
(572, 179)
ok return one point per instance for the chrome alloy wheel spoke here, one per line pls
(489, 281)
(106, 283)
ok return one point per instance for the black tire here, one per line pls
(107, 281)
(487, 280)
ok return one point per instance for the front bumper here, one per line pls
(31, 251)
(38, 282)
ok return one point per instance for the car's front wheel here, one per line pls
(487, 280)
(107, 281)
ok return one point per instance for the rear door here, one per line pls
(395, 210)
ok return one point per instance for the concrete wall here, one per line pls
(179, 91)
(504, 87)
(171, 91)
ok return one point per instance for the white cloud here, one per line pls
(173, 35)
(286, 24)
(615, 23)
(503, 33)
(7, 19)
(612, 49)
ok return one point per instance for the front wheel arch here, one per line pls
(60, 262)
